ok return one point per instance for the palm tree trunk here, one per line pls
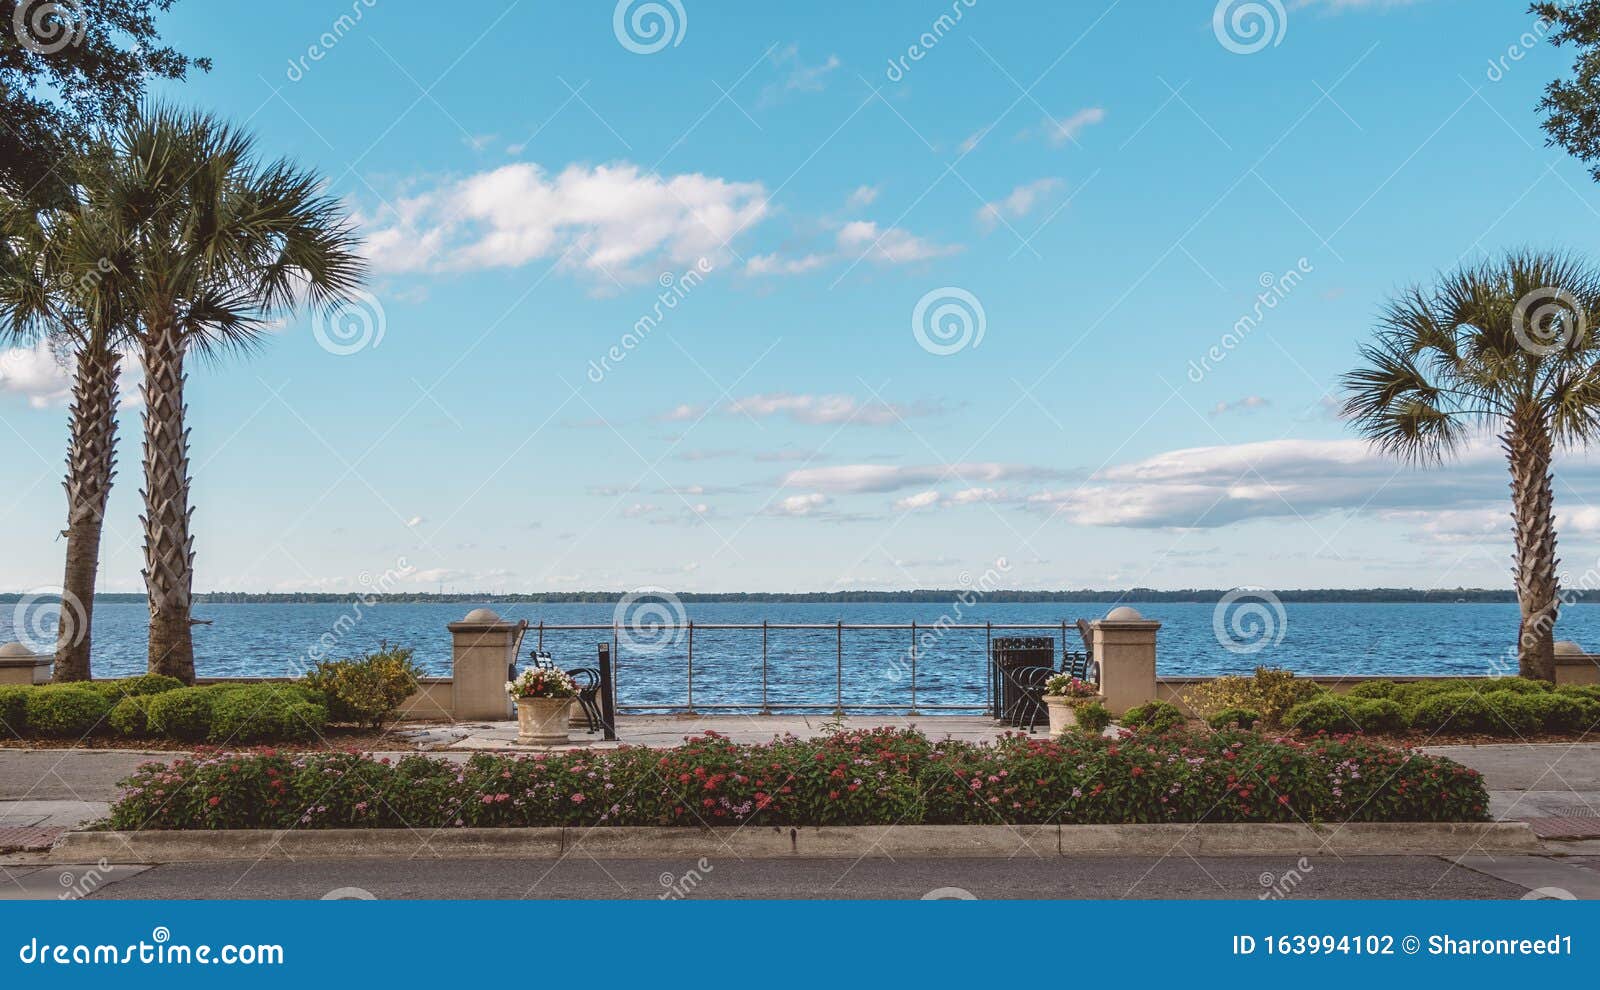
(1528, 449)
(168, 547)
(91, 464)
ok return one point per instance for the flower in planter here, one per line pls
(1065, 686)
(542, 682)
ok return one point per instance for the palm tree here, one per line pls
(56, 284)
(213, 243)
(1508, 346)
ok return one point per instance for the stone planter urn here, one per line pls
(542, 721)
(1064, 711)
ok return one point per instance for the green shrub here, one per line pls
(1184, 777)
(127, 687)
(64, 710)
(368, 691)
(1520, 685)
(13, 710)
(1333, 713)
(130, 717)
(1561, 713)
(182, 714)
(1270, 691)
(1244, 718)
(1458, 711)
(1580, 691)
(1152, 716)
(1093, 717)
(1372, 689)
(265, 712)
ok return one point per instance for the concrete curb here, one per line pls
(896, 841)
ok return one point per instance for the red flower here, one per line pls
(214, 801)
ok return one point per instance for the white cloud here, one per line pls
(415, 521)
(890, 245)
(1018, 203)
(856, 240)
(605, 219)
(1205, 487)
(863, 196)
(825, 409)
(846, 479)
(921, 500)
(801, 78)
(1060, 130)
(45, 380)
(1246, 404)
(799, 505)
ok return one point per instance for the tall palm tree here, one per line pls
(57, 285)
(213, 244)
(1509, 346)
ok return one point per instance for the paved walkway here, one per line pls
(663, 731)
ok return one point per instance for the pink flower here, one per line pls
(577, 799)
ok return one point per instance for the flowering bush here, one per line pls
(860, 777)
(542, 682)
(1067, 686)
(368, 691)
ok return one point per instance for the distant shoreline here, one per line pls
(1195, 595)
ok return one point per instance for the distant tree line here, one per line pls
(1206, 596)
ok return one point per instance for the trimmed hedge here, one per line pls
(1504, 706)
(60, 710)
(266, 712)
(130, 687)
(130, 717)
(1152, 716)
(863, 777)
(13, 709)
(1243, 718)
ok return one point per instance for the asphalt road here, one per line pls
(1084, 877)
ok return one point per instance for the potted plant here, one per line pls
(543, 696)
(1064, 695)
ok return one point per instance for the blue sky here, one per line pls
(778, 192)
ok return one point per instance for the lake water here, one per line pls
(277, 639)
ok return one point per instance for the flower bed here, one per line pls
(870, 777)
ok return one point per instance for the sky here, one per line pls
(720, 296)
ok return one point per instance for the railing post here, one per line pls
(691, 666)
(838, 667)
(914, 670)
(608, 700)
(988, 664)
(765, 709)
(541, 635)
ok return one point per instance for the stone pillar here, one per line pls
(1573, 666)
(1125, 649)
(20, 665)
(483, 646)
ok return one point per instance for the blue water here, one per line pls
(802, 665)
